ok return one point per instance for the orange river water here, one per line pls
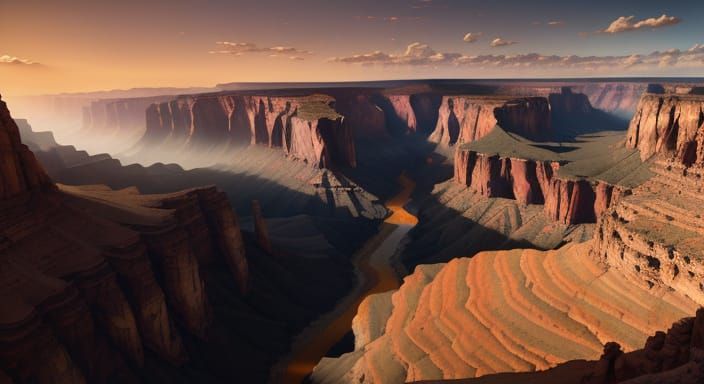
(376, 275)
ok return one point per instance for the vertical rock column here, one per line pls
(226, 233)
(260, 230)
(101, 291)
(149, 303)
(182, 283)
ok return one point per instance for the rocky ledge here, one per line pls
(671, 125)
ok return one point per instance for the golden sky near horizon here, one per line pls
(81, 45)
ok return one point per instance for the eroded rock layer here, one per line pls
(568, 201)
(306, 128)
(502, 311)
(670, 125)
(655, 232)
(463, 119)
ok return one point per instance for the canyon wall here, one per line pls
(305, 127)
(501, 311)
(463, 119)
(92, 277)
(567, 201)
(122, 117)
(669, 125)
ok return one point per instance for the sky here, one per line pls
(85, 45)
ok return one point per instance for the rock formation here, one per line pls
(80, 296)
(21, 172)
(304, 126)
(502, 311)
(260, 230)
(463, 119)
(671, 125)
(567, 201)
(674, 356)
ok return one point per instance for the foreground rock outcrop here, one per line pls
(674, 356)
(106, 285)
(502, 311)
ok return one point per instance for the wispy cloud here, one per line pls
(629, 23)
(388, 19)
(14, 60)
(551, 23)
(239, 49)
(472, 37)
(499, 42)
(417, 54)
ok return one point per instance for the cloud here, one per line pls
(472, 37)
(628, 23)
(418, 54)
(239, 49)
(555, 23)
(13, 60)
(499, 42)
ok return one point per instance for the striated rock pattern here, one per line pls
(463, 119)
(304, 126)
(669, 125)
(502, 311)
(674, 356)
(566, 201)
(655, 232)
(80, 299)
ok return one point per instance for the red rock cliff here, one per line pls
(274, 121)
(533, 182)
(463, 119)
(79, 296)
(669, 125)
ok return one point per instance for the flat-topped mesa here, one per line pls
(463, 119)
(305, 127)
(669, 125)
(568, 201)
(20, 170)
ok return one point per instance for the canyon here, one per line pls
(501, 311)
(537, 234)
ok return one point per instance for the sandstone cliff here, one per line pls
(80, 296)
(567, 201)
(669, 125)
(305, 127)
(463, 119)
(502, 311)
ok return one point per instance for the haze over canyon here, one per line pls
(517, 200)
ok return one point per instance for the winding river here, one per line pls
(375, 275)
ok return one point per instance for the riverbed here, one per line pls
(375, 274)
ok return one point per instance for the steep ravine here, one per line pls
(375, 274)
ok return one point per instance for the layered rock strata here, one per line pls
(306, 128)
(568, 201)
(501, 311)
(667, 357)
(463, 119)
(91, 276)
(669, 125)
